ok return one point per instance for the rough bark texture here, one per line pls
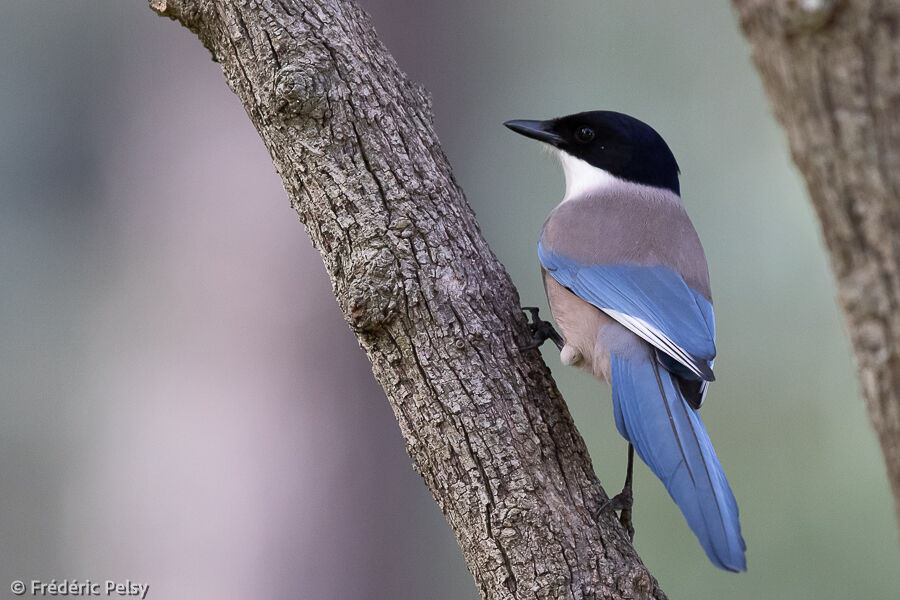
(432, 307)
(832, 71)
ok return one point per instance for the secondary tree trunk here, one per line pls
(832, 71)
(432, 307)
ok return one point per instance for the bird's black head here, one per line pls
(621, 145)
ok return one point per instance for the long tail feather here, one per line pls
(669, 436)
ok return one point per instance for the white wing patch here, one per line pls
(704, 387)
(656, 337)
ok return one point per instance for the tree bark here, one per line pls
(830, 68)
(432, 307)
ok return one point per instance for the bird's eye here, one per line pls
(584, 135)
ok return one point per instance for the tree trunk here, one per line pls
(830, 68)
(432, 307)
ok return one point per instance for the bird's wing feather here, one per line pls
(671, 439)
(653, 302)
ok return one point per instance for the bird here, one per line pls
(627, 282)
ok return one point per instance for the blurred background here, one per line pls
(181, 403)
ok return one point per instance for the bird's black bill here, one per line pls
(537, 130)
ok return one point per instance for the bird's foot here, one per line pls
(541, 331)
(622, 502)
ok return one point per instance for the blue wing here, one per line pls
(653, 302)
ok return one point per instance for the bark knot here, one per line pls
(786, 18)
(811, 15)
(187, 13)
(301, 90)
(373, 297)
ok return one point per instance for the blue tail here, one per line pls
(669, 436)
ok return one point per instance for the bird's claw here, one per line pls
(541, 331)
(622, 502)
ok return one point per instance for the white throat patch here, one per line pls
(584, 178)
